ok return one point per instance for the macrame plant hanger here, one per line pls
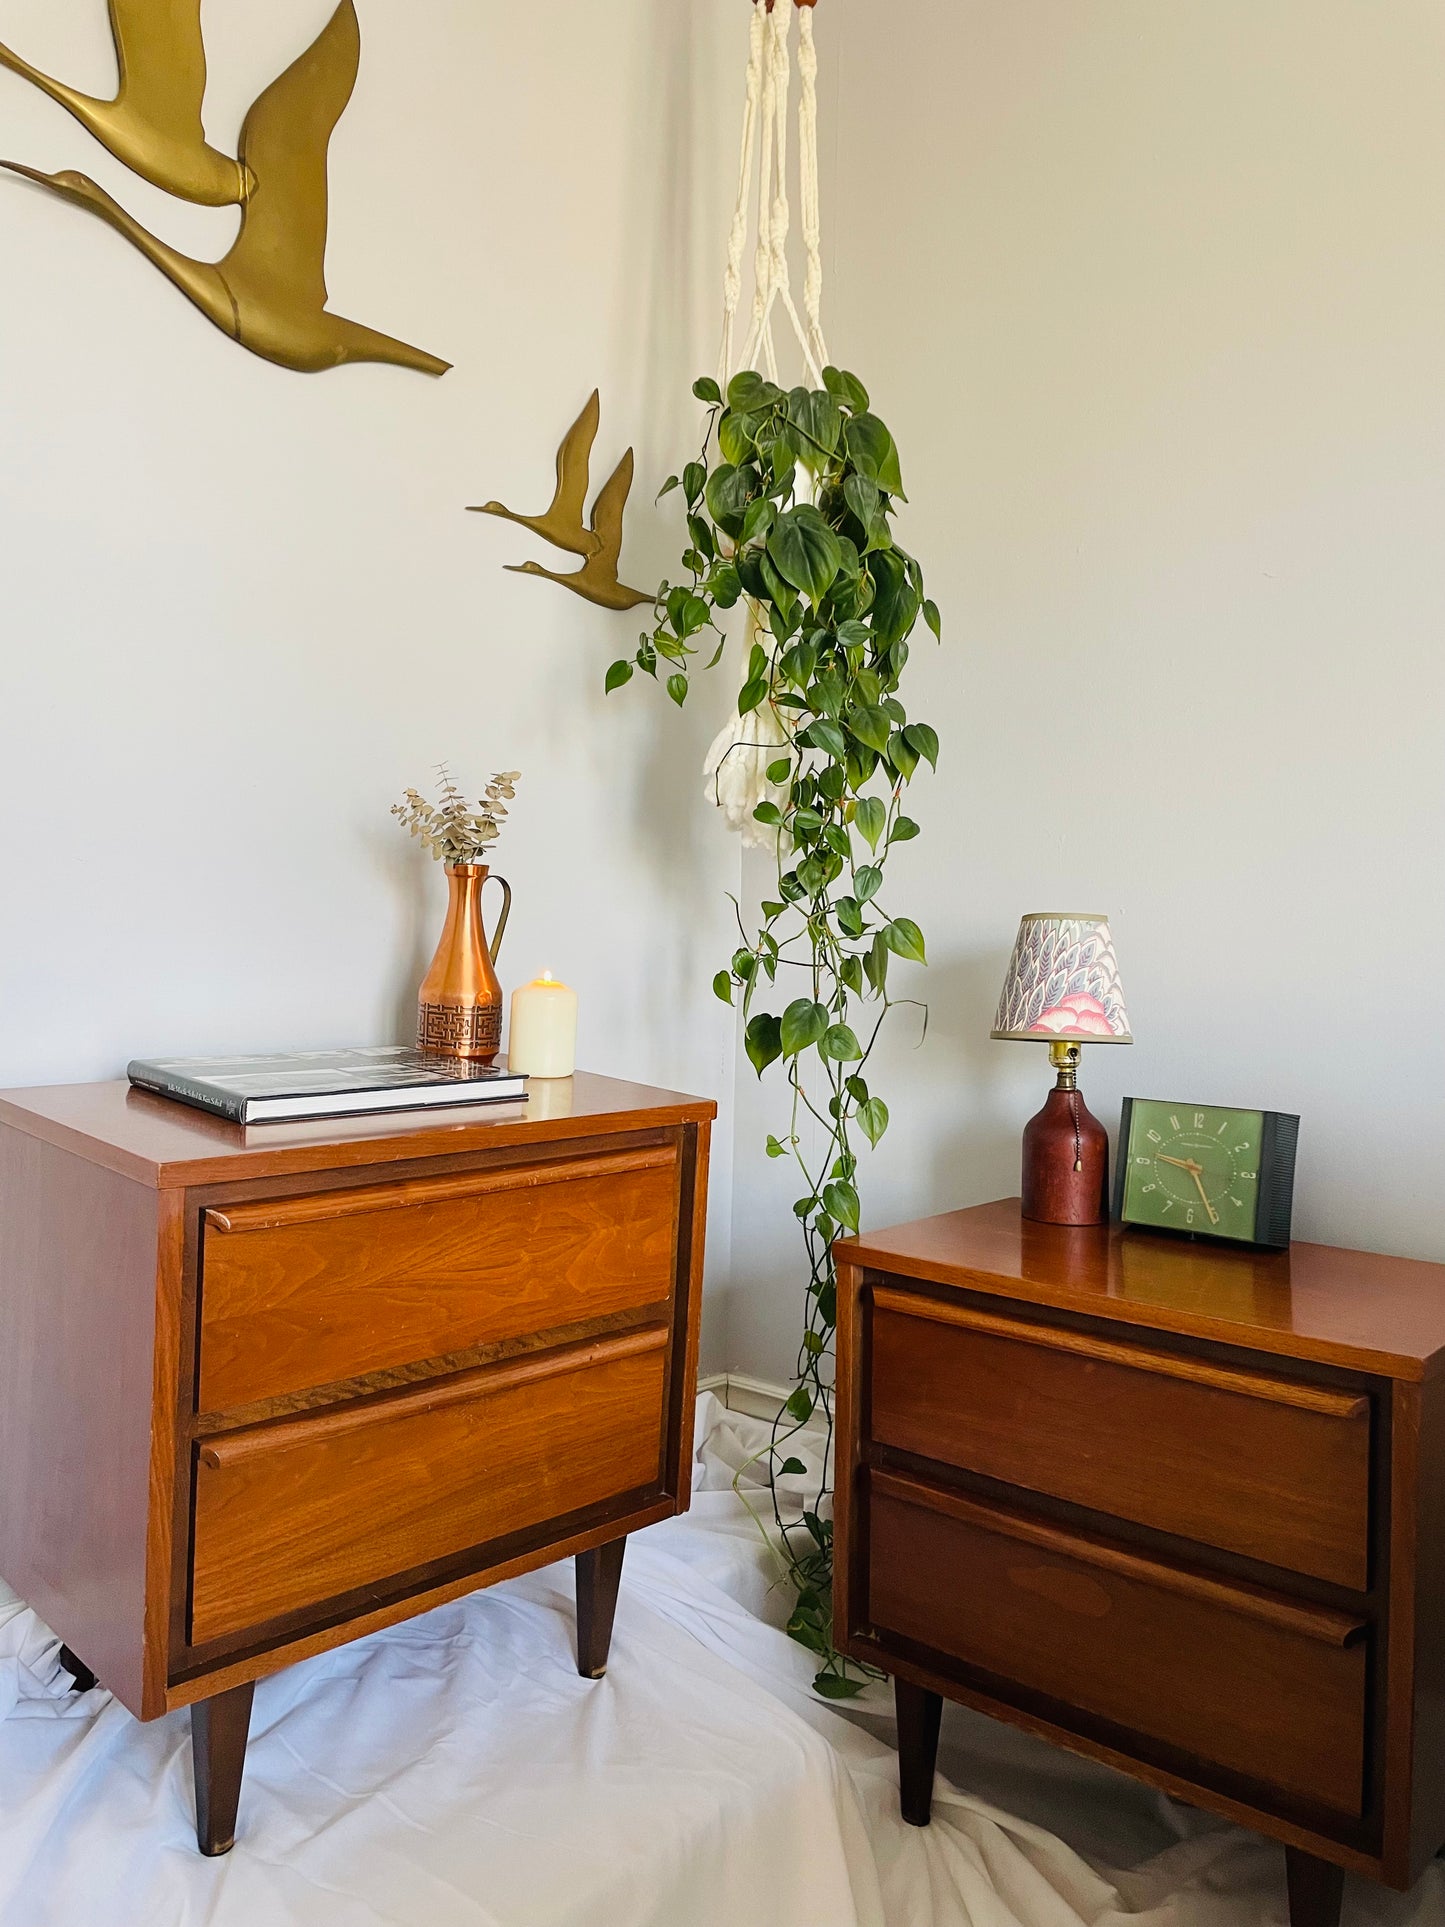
(765, 144)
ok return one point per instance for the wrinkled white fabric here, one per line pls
(455, 1772)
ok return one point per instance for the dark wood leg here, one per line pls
(1315, 1889)
(81, 1676)
(599, 1574)
(219, 1728)
(918, 1716)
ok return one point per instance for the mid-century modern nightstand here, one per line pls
(1178, 1507)
(262, 1391)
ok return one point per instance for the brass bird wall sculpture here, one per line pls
(269, 291)
(153, 123)
(600, 543)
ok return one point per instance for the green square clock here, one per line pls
(1207, 1171)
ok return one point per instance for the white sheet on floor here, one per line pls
(455, 1771)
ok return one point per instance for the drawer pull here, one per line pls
(271, 1214)
(1320, 1623)
(1197, 1371)
(228, 1449)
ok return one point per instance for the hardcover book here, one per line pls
(324, 1083)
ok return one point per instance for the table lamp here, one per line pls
(1063, 989)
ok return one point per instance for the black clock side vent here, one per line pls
(1277, 1144)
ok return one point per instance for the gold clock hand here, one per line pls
(1199, 1182)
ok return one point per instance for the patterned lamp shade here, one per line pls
(1063, 983)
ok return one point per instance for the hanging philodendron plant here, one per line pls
(790, 508)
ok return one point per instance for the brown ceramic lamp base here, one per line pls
(1066, 1160)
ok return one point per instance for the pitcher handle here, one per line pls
(506, 912)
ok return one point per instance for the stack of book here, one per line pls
(324, 1083)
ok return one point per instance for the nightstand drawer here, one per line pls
(1243, 1680)
(293, 1514)
(306, 1291)
(1271, 1468)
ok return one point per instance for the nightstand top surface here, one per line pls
(165, 1143)
(1354, 1309)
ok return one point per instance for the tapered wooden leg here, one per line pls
(219, 1728)
(599, 1574)
(1315, 1889)
(918, 1716)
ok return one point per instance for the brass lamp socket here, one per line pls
(1065, 1059)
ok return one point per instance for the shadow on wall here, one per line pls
(960, 1078)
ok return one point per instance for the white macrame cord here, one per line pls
(765, 134)
(735, 772)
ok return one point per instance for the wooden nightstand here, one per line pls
(1177, 1507)
(263, 1391)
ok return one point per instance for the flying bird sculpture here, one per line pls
(600, 542)
(269, 291)
(153, 122)
(561, 524)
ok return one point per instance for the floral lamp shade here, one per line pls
(1063, 983)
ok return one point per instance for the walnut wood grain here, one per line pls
(310, 1290)
(416, 1481)
(320, 1207)
(1346, 1772)
(1198, 1672)
(1352, 1309)
(293, 1515)
(1285, 1482)
(1195, 1371)
(1300, 1617)
(164, 1143)
(77, 1297)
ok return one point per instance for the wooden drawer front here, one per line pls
(1261, 1466)
(289, 1515)
(300, 1292)
(1243, 1680)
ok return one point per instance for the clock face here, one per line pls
(1193, 1168)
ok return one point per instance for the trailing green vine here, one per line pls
(790, 507)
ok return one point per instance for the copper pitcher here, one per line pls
(459, 1007)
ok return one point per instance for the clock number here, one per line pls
(1223, 1128)
(1169, 1204)
(1249, 1174)
(1151, 1187)
(1189, 1216)
(1240, 1149)
(1199, 1120)
(1154, 1138)
(1175, 1124)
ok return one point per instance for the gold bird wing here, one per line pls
(162, 61)
(574, 458)
(607, 510)
(279, 256)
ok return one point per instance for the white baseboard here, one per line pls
(758, 1398)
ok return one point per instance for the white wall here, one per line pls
(243, 607)
(1154, 300)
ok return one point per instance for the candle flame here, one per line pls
(547, 977)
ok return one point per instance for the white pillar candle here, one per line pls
(543, 1041)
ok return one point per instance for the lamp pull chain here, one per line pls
(1074, 1117)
